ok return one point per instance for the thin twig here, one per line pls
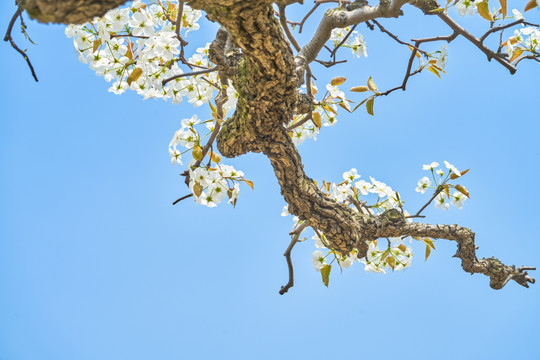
(532, 57)
(476, 42)
(285, 26)
(333, 53)
(306, 17)
(182, 198)
(330, 63)
(502, 27)
(383, 29)
(417, 42)
(13, 45)
(295, 235)
(165, 81)
(437, 192)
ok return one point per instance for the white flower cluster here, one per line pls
(526, 39)
(465, 7)
(355, 41)
(324, 114)
(396, 257)
(211, 185)
(441, 184)
(386, 197)
(137, 48)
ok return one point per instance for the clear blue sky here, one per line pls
(96, 264)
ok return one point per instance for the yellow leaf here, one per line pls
(371, 85)
(417, 54)
(483, 10)
(359, 89)
(391, 261)
(434, 70)
(215, 157)
(197, 189)
(447, 190)
(197, 153)
(517, 53)
(329, 108)
(313, 88)
(512, 41)
(531, 5)
(428, 251)
(97, 44)
(135, 74)
(325, 272)
(369, 106)
(337, 81)
(249, 183)
(342, 105)
(317, 119)
(429, 242)
(402, 247)
(503, 8)
(433, 61)
(463, 190)
(454, 176)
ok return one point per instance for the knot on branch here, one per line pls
(390, 222)
(303, 104)
(427, 6)
(224, 53)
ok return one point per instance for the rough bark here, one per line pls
(68, 11)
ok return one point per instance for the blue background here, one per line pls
(95, 262)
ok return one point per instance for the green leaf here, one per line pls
(197, 189)
(197, 153)
(362, 103)
(369, 106)
(325, 272)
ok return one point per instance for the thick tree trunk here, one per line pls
(68, 11)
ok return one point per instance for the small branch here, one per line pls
(307, 16)
(437, 192)
(408, 74)
(330, 63)
(476, 42)
(502, 27)
(295, 235)
(381, 28)
(301, 122)
(165, 81)
(182, 198)
(532, 57)
(12, 42)
(285, 26)
(333, 53)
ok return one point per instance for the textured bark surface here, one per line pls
(68, 11)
